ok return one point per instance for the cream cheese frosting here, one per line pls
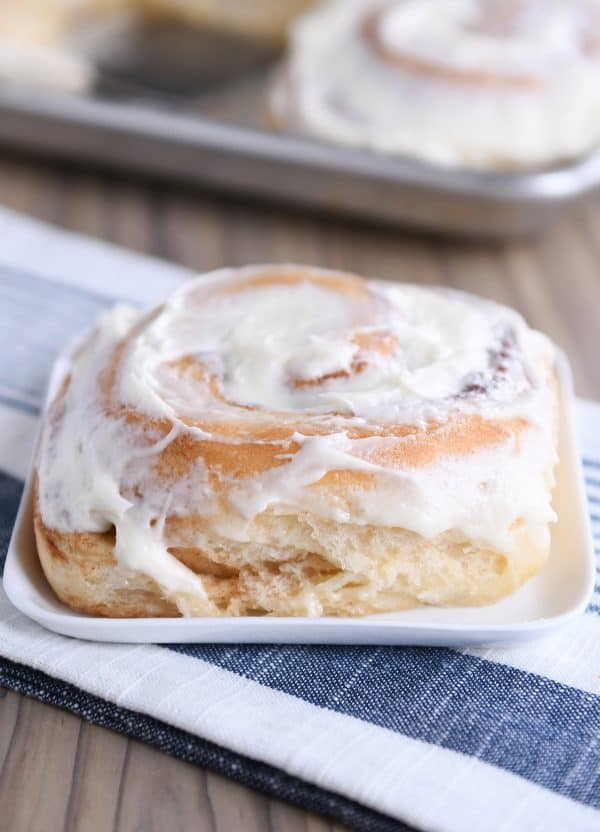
(265, 337)
(482, 83)
(270, 356)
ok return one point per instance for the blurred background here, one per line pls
(470, 116)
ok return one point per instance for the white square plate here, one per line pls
(560, 591)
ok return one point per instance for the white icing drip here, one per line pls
(337, 86)
(86, 462)
(473, 494)
(97, 471)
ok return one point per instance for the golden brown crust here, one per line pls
(83, 573)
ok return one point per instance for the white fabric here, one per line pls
(422, 784)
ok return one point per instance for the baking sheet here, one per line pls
(219, 137)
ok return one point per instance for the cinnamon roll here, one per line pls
(34, 44)
(474, 83)
(295, 441)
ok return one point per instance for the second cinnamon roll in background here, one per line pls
(485, 84)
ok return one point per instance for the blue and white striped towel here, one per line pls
(484, 739)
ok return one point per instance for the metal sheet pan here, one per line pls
(220, 142)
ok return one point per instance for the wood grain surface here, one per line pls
(59, 773)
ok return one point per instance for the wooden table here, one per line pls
(57, 772)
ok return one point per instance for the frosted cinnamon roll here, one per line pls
(477, 83)
(294, 441)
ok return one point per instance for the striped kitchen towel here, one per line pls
(379, 738)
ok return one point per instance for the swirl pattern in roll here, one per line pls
(475, 83)
(295, 441)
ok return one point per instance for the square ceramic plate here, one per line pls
(560, 591)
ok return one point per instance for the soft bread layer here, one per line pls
(393, 569)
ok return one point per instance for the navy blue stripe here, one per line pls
(256, 775)
(524, 723)
(19, 404)
(592, 481)
(593, 500)
(10, 494)
(590, 463)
